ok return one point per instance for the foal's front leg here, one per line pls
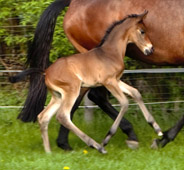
(134, 93)
(98, 96)
(114, 88)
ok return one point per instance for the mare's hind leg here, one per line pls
(114, 88)
(63, 116)
(134, 93)
(169, 135)
(44, 118)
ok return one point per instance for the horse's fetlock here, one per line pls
(111, 132)
(102, 150)
(124, 104)
(136, 95)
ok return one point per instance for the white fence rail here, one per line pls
(4, 73)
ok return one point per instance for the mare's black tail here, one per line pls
(38, 57)
(35, 100)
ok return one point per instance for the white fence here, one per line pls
(159, 78)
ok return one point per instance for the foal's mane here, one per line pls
(116, 23)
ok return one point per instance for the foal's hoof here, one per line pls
(102, 150)
(48, 152)
(65, 147)
(155, 145)
(160, 143)
(160, 133)
(132, 144)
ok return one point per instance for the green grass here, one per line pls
(21, 146)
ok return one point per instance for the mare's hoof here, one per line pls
(65, 147)
(102, 150)
(132, 144)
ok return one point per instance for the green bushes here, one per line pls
(18, 20)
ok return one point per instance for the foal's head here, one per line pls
(137, 34)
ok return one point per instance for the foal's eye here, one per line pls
(142, 32)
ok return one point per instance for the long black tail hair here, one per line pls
(38, 57)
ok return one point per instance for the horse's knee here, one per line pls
(136, 94)
(124, 103)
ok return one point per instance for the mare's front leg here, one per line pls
(99, 96)
(134, 93)
(169, 135)
(62, 139)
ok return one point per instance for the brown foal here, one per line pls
(67, 75)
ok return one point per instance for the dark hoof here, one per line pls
(132, 144)
(65, 147)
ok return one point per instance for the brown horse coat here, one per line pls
(86, 21)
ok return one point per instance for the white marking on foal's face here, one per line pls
(148, 46)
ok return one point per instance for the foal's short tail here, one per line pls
(36, 96)
(19, 77)
(38, 57)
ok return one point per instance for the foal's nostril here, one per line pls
(152, 49)
(147, 52)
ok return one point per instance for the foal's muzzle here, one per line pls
(149, 50)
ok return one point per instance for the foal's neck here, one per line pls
(117, 40)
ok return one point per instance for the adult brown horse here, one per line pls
(85, 23)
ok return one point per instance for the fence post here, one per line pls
(88, 112)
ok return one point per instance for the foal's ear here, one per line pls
(143, 16)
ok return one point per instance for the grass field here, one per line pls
(21, 146)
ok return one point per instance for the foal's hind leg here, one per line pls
(44, 118)
(134, 93)
(62, 139)
(63, 116)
